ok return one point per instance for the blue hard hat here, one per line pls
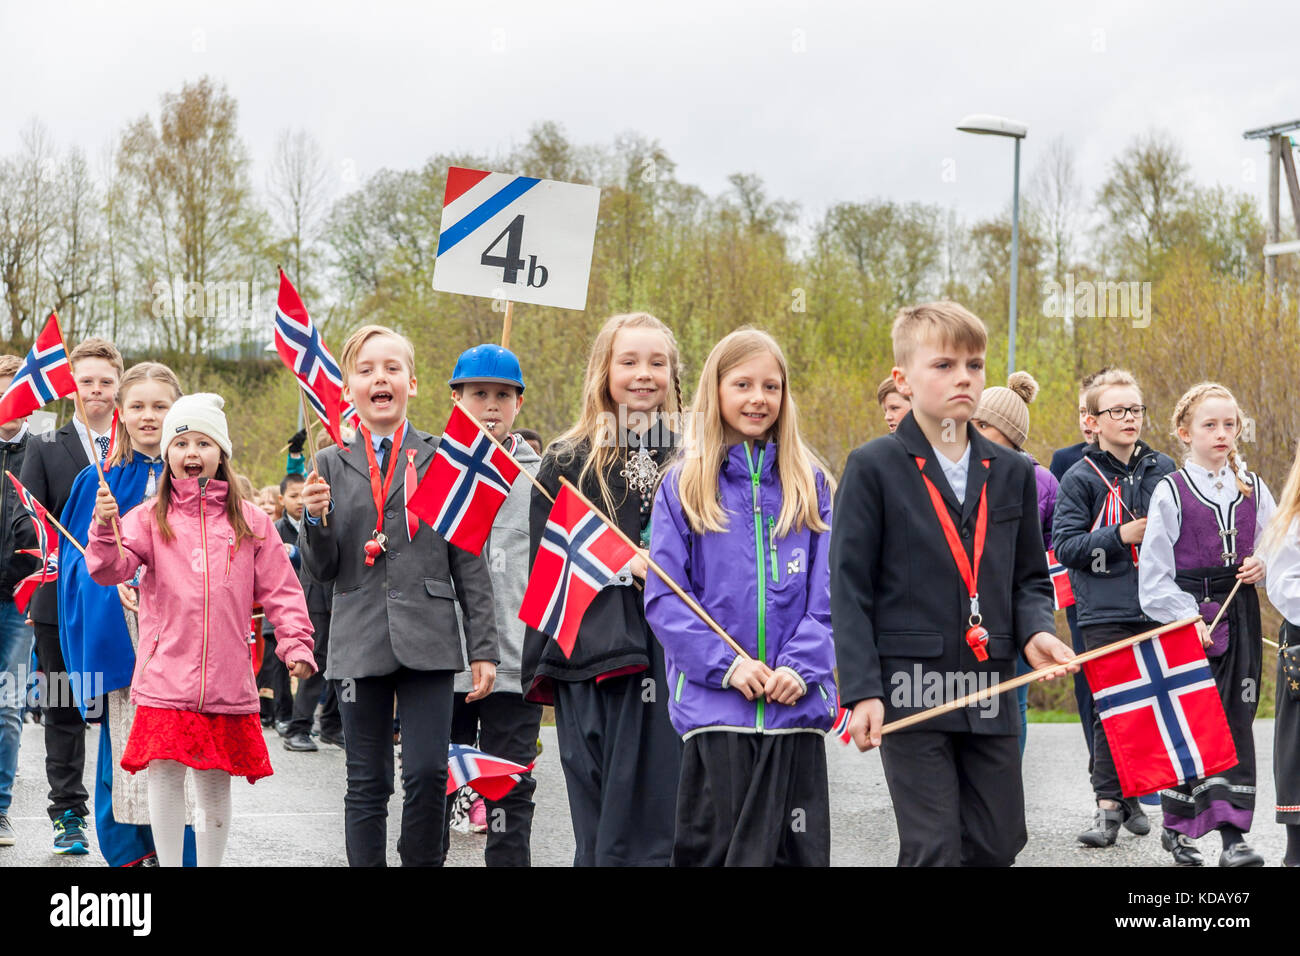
(487, 363)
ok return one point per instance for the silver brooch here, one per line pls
(640, 472)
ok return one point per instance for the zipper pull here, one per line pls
(230, 552)
(771, 543)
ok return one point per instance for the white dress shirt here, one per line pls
(955, 471)
(1161, 598)
(87, 443)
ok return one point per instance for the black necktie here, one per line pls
(102, 442)
(385, 446)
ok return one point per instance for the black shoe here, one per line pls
(300, 742)
(1105, 827)
(335, 739)
(1137, 822)
(1182, 847)
(1240, 854)
(282, 728)
(267, 721)
(6, 830)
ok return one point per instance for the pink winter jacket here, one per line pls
(196, 598)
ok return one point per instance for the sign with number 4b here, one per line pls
(516, 238)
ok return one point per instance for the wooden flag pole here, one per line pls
(663, 575)
(311, 443)
(505, 327)
(1033, 675)
(492, 438)
(85, 420)
(50, 518)
(1218, 617)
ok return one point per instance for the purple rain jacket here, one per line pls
(772, 595)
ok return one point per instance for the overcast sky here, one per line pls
(825, 101)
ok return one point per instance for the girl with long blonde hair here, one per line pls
(742, 524)
(618, 750)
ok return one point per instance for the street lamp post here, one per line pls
(988, 125)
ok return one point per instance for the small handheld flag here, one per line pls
(1062, 590)
(578, 556)
(1161, 712)
(44, 375)
(466, 484)
(490, 776)
(841, 728)
(303, 350)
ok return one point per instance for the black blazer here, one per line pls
(318, 597)
(51, 465)
(1063, 458)
(899, 608)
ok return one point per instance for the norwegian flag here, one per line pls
(40, 521)
(578, 555)
(25, 588)
(44, 375)
(1161, 712)
(490, 776)
(303, 350)
(1062, 591)
(464, 487)
(841, 728)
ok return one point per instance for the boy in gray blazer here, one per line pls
(393, 628)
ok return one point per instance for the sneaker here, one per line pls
(6, 830)
(1239, 854)
(1105, 827)
(1183, 848)
(301, 743)
(461, 801)
(1137, 822)
(478, 816)
(70, 834)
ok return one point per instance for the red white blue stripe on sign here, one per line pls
(482, 211)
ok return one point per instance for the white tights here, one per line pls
(167, 812)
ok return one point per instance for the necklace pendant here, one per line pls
(640, 472)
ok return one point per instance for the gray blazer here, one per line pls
(398, 613)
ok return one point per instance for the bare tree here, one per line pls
(25, 225)
(298, 187)
(1054, 196)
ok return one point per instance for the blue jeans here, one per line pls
(15, 655)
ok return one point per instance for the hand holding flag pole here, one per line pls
(311, 444)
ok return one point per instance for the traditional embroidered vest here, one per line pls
(1212, 535)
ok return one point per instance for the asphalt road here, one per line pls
(295, 817)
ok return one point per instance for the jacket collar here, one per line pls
(742, 458)
(1141, 451)
(185, 495)
(981, 450)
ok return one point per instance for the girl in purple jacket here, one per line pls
(742, 523)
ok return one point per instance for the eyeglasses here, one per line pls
(1119, 412)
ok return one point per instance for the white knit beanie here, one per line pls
(200, 412)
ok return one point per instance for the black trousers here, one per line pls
(65, 731)
(1105, 778)
(366, 706)
(503, 725)
(753, 800)
(275, 675)
(309, 688)
(1082, 693)
(621, 760)
(958, 798)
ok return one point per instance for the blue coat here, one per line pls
(772, 595)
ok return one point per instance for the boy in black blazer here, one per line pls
(393, 629)
(52, 463)
(908, 635)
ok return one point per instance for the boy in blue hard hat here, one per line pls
(488, 382)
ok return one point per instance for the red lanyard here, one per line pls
(976, 636)
(378, 493)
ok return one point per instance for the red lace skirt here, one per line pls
(229, 742)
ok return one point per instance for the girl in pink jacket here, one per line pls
(207, 556)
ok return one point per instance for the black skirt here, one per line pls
(1227, 798)
(1286, 738)
(753, 800)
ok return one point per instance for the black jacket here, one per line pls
(1102, 572)
(899, 608)
(1063, 458)
(50, 466)
(614, 635)
(16, 529)
(318, 596)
